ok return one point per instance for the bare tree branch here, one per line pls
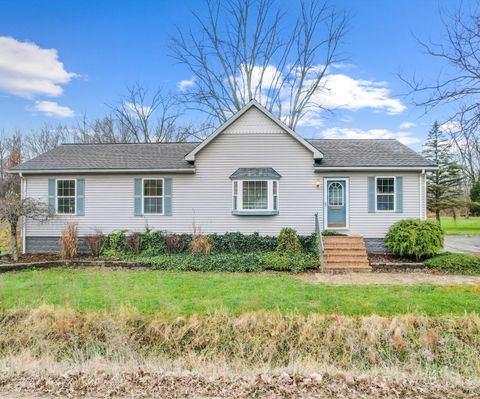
(244, 49)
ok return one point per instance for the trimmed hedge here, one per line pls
(455, 263)
(415, 238)
(248, 262)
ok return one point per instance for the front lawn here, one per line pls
(184, 293)
(469, 227)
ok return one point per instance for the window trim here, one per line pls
(65, 196)
(394, 194)
(153, 196)
(270, 202)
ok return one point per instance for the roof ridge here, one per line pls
(163, 142)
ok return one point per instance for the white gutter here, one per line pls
(360, 168)
(93, 171)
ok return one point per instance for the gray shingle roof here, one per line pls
(255, 173)
(367, 153)
(112, 156)
(91, 157)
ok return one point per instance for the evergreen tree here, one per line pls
(475, 198)
(444, 185)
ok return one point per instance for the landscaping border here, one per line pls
(400, 267)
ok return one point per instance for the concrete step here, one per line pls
(346, 270)
(344, 246)
(347, 264)
(346, 258)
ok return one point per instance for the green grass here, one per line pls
(184, 293)
(470, 227)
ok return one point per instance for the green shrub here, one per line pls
(290, 262)
(157, 242)
(288, 242)
(248, 262)
(455, 263)
(237, 242)
(415, 238)
(153, 243)
(115, 245)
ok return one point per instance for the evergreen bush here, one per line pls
(415, 238)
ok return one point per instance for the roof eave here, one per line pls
(96, 171)
(373, 168)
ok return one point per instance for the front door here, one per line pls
(336, 203)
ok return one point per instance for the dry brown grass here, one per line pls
(69, 241)
(413, 344)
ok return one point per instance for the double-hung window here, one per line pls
(251, 196)
(66, 192)
(385, 194)
(153, 196)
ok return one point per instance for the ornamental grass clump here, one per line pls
(415, 238)
(69, 241)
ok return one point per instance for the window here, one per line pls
(153, 196)
(255, 195)
(335, 194)
(385, 194)
(66, 196)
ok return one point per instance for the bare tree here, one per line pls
(245, 49)
(459, 81)
(44, 139)
(12, 208)
(147, 116)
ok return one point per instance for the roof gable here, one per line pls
(315, 151)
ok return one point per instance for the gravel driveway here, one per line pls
(470, 244)
(389, 279)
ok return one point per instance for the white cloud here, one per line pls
(185, 84)
(407, 125)
(51, 108)
(344, 92)
(348, 133)
(450, 127)
(26, 70)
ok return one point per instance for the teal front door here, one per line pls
(336, 204)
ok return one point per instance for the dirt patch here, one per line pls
(159, 385)
(389, 279)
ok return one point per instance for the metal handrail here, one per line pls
(318, 231)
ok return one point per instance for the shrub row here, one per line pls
(154, 243)
(455, 263)
(248, 262)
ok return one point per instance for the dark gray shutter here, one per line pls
(168, 196)
(137, 197)
(52, 197)
(371, 194)
(399, 191)
(80, 197)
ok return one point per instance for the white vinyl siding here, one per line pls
(206, 196)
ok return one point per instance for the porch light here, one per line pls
(317, 184)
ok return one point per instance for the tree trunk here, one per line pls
(454, 213)
(13, 241)
(437, 214)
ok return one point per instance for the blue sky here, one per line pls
(82, 54)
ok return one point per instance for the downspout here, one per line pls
(23, 193)
(423, 195)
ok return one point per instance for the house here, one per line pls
(253, 174)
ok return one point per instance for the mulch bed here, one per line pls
(387, 258)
